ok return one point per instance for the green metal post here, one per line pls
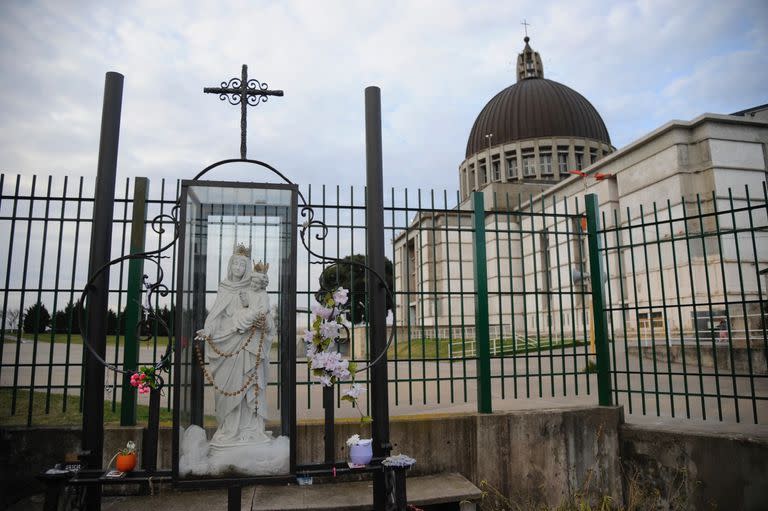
(133, 302)
(482, 336)
(598, 302)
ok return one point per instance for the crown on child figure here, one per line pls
(241, 249)
(260, 267)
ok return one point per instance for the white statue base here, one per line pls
(267, 456)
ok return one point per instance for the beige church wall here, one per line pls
(668, 167)
(729, 153)
(640, 177)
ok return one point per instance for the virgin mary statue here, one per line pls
(238, 334)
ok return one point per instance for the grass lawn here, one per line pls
(162, 341)
(57, 417)
(428, 348)
(441, 348)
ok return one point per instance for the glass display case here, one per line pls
(235, 346)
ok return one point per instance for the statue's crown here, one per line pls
(260, 267)
(241, 249)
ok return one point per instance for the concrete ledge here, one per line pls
(543, 456)
(744, 360)
(349, 495)
(693, 468)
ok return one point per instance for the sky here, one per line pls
(640, 63)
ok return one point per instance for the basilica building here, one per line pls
(533, 153)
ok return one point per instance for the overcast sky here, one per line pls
(437, 62)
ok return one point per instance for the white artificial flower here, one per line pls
(329, 329)
(340, 296)
(354, 391)
(320, 311)
(353, 440)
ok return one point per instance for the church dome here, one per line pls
(535, 107)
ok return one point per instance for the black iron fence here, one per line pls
(494, 301)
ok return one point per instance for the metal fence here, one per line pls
(687, 307)
(493, 301)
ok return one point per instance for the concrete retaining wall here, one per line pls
(539, 455)
(536, 456)
(696, 468)
(740, 354)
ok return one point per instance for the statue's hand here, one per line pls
(244, 298)
(244, 322)
(201, 335)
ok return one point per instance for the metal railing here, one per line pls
(663, 272)
(687, 306)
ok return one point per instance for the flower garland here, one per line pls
(326, 363)
(144, 379)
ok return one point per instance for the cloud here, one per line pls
(437, 62)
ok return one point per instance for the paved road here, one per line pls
(516, 384)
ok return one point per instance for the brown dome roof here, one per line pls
(536, 108)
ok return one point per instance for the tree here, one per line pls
(352, 277)
(62, 320)
(36, 319)
(111, 322)
(12, 319)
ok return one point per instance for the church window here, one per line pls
(545, 159)
(562, 160)
(496, 171)
(579, 158)
(472, 178)
(592, 155)
(529, 168)
(512, 167)
(483, 175)
(411, 262)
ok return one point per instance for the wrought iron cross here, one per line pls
(242, 91)
(526, 24)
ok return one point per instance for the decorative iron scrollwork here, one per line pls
(149, 316)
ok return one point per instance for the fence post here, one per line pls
(133, 305)
(482, 336)
(599, 318)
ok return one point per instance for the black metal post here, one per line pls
(200, 256)
(98, 294)
(234, 497)
(330, 434)
(151, 433)
(374, 222)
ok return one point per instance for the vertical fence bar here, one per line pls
(54, 311)
(482, 339)
(133, 300)
(619, 240)
(679, 307)
(598, 303)
(512, 292)
(704, 234)
(744, 313)
(19, 335)
(11, 237)
(448, 291)
(72, 318)
(37, 332)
